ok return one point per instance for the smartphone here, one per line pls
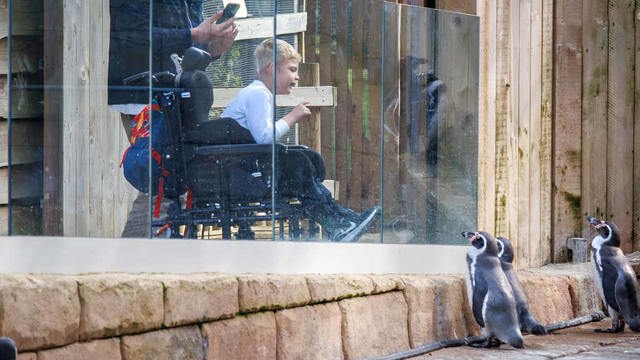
(229, 11)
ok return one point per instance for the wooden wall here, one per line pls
(90, 192)
(21, 156)
(559, 122)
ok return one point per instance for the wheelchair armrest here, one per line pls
(235, 149)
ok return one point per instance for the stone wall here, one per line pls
(119, 316)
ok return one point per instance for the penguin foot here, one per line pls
(536, 329)
(616, 327)
(487, 343)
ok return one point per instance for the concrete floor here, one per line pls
(573, 343)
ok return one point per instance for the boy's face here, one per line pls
(286, 77)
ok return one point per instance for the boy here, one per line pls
(300, 172)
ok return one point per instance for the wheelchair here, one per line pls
(217, 182)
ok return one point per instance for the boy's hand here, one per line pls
(298, 113)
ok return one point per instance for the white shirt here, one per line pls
(252, 108)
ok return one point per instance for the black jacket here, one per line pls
(129, 41)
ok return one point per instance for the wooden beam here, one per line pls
(567, 218)
(318, 96)
(262, 27)
(310, 134)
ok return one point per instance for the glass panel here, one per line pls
(388, 93)
(431, 124)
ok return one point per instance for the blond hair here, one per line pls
(264, 53)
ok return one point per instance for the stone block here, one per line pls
(386, 283)
(106, 349)
(243, 337)
(548, 295)
(199, 298)
(310, 332)
(39, 311)
(184, 343)
(374, 325)
(455, 318)
(118, 304)
(420, 294)
(334, 287)
(271, 292)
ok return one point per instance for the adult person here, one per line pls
(143, 36)
(300, 172)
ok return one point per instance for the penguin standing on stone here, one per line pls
(614, 278)
(490, 294)
(527, 322)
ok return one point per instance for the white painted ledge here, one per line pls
(19, 254)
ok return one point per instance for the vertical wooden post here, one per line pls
(310, 133)
(620, 107)
(567, 219)
(53, 65)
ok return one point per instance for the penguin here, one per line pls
(527, 322)
(490, 294)
(8, 349)
(614, 278)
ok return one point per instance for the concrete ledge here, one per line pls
(221, 316)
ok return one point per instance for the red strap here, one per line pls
(156, 208)
(163, 229)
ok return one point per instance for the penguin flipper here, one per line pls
(479, 294)
(609, 278)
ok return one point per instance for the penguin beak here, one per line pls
(594, 222)
(470, 235)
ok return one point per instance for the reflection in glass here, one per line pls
(431, 124)
(393, 117)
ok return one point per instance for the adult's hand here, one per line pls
(224, 35)
(218, 37)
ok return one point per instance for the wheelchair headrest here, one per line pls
(195, 59)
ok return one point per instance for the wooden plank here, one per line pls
(27, 17)
(26, 219)
(568, 220)
(543, 253)
(594, 110)
(504, 132)
(487, 11)
(76, 178)
(533, 238)
(463, 6)
(26, 52)
(636, 143)
(310, 129)
(371, 193)
(26, 144)
(324, 41)
(620, 94)
(522, 51)
(262, 27)
(355, 114)
(456, 178)
(317, 96)
(341, 64)
(26, 96)
(309, 51)
(26, 182)
(53, 61)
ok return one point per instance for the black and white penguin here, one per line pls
(490, 294)
(8, 349)
(614, 278)
(527, 322)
